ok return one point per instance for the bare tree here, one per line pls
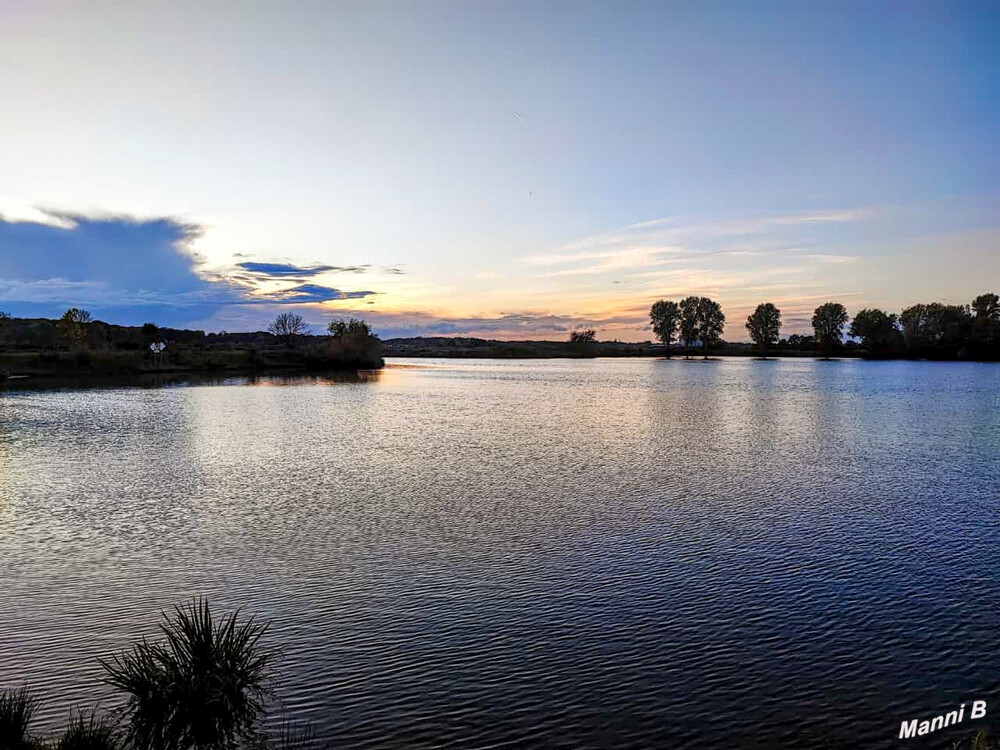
(287, 326)
(585, 336)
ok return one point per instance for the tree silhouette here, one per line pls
(877, 329)
(340, 328)
(828, 323)
(764, 326)
(664, 316)
(798, 341)
(584, 336)
(689, 321)
(287, 326)
(986, 325)
(710, 323)
(354, 341)
(150, 332)
(73, 325)
(987, 307)
(936, 328)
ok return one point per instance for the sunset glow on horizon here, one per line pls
(501, 171)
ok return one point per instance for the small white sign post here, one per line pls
(157, 348)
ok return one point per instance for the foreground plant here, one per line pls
(17, 707)
(87, 732)
(292, 736)
(202, 688)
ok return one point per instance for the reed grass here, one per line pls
(88, 732)
(201, 688)
(17, 708)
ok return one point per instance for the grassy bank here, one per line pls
(76, 346)
(110, 363)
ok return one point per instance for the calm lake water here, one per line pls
(484, 554)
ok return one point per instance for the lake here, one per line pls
(559, 553)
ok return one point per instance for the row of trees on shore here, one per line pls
(933, 330)
(695, 320)
(76, 328)
(77, 342)
(352, 337)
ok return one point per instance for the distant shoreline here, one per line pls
(25, 366)
(177, 377)
(469, 348)
(142, 373)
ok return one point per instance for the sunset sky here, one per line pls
(506, 170)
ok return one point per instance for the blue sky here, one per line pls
(500, 169)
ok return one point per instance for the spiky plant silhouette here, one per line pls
(88, 732)
(202, 688)
(17, 707)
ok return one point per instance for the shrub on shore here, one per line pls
(353, 343)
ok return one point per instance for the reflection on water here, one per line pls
(552, 554)
(162, 379)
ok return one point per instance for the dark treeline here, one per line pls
(924, 331)
(463, 347)
(75, 343)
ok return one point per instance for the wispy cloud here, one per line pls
(678, 231)
(667, 240)
(281, 270)
(307, 293)
(606, 260)
(13, 211)
(828, 258)
(504, 326)
(148, 269)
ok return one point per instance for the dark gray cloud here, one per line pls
(283, 270)
(129, 270)
(122, 251)
(313, 293)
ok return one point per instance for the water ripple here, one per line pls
(545, 554)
